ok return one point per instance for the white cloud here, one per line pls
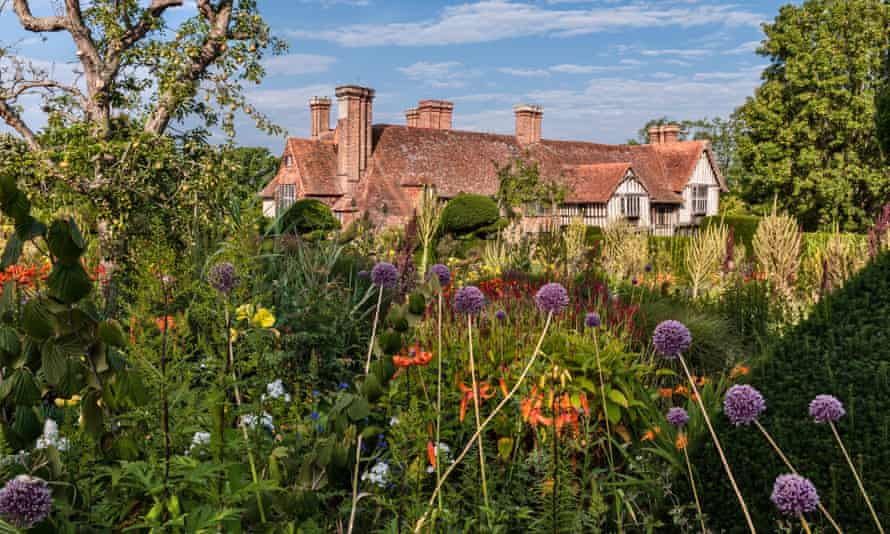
(294, 98)
(634, 62)
(524, 73)
(679, 52)
(492, 20)
(748, 47)
(294, 64)
(447, 74)
(569, 68)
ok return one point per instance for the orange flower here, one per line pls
(170, 323)
(665, 393)
(485, 393)
(503, 386)
(682, 441)
(682, 390)
(582, 397)
(699, 380)
(650, 434)
(431, 453)
(402, 361)
(531, 409)
(739, 370)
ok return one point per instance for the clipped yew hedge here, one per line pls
(308, 215)
(842, 349)
(467, 213)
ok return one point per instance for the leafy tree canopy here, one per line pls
(520, 184)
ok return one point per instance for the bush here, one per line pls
(593, 236)
(669, 253)
(743, 227)
(466, 213)
(841, 349)
(308, 216)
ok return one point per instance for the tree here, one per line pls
(808, 136)
(882, 104)
(520, 184)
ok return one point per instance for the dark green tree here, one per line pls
(882, 103)
(808, 136)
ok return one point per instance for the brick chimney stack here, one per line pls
(411, 116)
(435, 114)
(320, 108)
(528, 123)
(654, 135)
(354, 112)
(667, 133)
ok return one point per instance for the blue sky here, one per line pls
(600, 68)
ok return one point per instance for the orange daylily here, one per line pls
(682, 441)
(431, 453)
(402, 361)
(650, 434)
(531, 409)
(569, 416)
(485, 393)
(682, 390)
(422, 358)
(666, 393)
(739, 370)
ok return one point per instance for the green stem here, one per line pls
(701, 516)
(439, 356)
(476, 412)
(857, 477)
(599, 367)
(804, 524)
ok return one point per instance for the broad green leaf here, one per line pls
(69, 282)
(12, 251)
(54, 362)
(65, 241)
(614, 412)
(20, 388)
(618, 397)
(29, 228)
(358, 409)
(37, 321)
(111, 333)
(91, 414)
(10, 345)
(26, 423)
(16, 205)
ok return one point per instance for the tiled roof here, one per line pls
(314, 169)
(594, 183)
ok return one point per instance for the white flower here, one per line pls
(378, 475)
(275, 390)
(199, 439)
(393, 421)
(50, 437)
(266, 420)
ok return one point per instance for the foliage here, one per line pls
(743, 227)
(705, 256)
(467, 213)
(308, 215)
(810, 140)
(520, 185)
(882, 106)
(837, 350)
(625, 250)
(429, 217)
(777, 245)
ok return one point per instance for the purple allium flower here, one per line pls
(743, 404)
(25, 501)
(671, 338)
(500, 315)
(223, 278)
(469, 300)
(363, 274)
(592, 320)
(677, 416)
(825, 408)
(648, 268)
(385, 274)
(794, 495)
(442, 273)
(552, 298)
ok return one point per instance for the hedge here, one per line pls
(466, 213)
(308, 215)
(843, 349)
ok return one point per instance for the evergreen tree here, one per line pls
(808, 136)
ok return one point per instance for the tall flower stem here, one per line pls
(716, 440)
(857, 477)
(599, 367)
(476, 412)
(230, 355)
(791, 468)
(358, 444)
(438, 392)
(488, 419)
(805, 525)
(165, 403)
(553, 497)
(701, 516)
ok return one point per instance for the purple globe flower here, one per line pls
(469, 300)
(592, 320)
(671, 338)
(743, 404)
(385, 274)
(677, 416)
(500, 315)
(648, 268)
(223, 278)
(552, 298)
(25, 501)
(442, 273)
(826, 408)
(794, 495)
(363, 274)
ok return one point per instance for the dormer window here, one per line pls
(288, 161)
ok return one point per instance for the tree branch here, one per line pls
(37, 24)
(153, 12)
(12, 118)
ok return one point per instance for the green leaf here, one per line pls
(26, 423)
(20, 388)
(12, 251)
(37, 321)
(91, 414)
(614, 412)
(111, 333)
(28, 228)
(359, 409)
(618, 397)
(10, 345)
(65, 241)
(69, 282)
(54, 362)
(16, 205)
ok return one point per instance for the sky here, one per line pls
(599, 68)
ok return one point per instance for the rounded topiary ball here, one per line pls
(466, 213)
(307, 216)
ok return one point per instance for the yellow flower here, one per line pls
(263, 318)
(243, 312)
(233, 335)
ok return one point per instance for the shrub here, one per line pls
(743, 227)
(466, 213)
(308, 215)
(668, 253)
(841, 349)
(593, 236)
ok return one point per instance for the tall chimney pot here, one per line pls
(354, 110)
(528, 123)
(320, 109)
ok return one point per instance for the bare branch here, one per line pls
(14, 120)
(154, 11)
(37, 24)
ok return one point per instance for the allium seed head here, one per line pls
(671, 338)
(223, 278)
(552, 298)
(743, 404)
(25, 501)
(469, 300)
(826, 408)
(500, 315)
(794, 495)
(385, 274)
(442, 273)
(592, 320)
(677, 416)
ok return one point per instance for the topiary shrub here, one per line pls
(308, 216)
(842, 349)
(466, 213)
(743, 227)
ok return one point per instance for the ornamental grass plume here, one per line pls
(25, 501)
(795, 496)
(671, 339)
(829, 409)
(522, 376)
